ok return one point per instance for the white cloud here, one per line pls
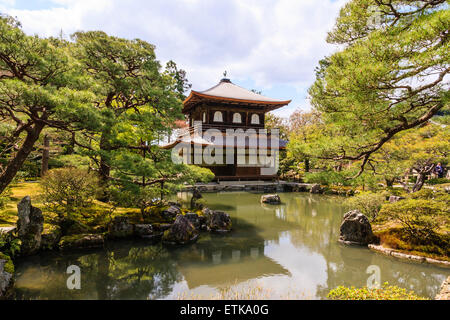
(269, 43)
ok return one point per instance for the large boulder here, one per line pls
(271, 199)
(194, 219)
(81, 241)
(356, 229)
(30, 226)
(219, 221)
(171, 213)
(51, 238)
(316, 189)
(120, 227)
(6, 276)
(181, 232)
(143, 230)
(146, 232)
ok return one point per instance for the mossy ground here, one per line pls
(393, 234)
(96, 216)
(394, 237)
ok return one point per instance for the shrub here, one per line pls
(9, 244)
(437, 181)
(4, 198)
(368, 203)
(420, 218)
(68, 190)
(386, 292)
(397, 238)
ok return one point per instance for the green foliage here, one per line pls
(388, 77)
(386, 292)
(326, 178)
(9, 244)
(9, 266)
(70, 160)
(66, 191)
(139, 103)
(40, 86)
(274, 122)
(367, 203)
(5, 197)
(132, 195)
(417, 150)
(435, 181)
(420, 217)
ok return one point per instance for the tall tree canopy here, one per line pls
(391, 75)
(40, 86)
(140, 103)
(418, 149)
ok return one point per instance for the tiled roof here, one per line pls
(228, 91)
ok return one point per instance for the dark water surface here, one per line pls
(278, 252)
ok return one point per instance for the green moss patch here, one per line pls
(9, 265)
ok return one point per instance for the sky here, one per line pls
(272, 46)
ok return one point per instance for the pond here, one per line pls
(276, 252)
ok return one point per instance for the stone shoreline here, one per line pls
(267, 187)
(400, 255)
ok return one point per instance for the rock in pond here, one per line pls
(81, 241)
(193, 218)
(219, 221)
(356, 230)
(171, 212)
(316, 189)
(30, 226)
(146, 232)
(120, 227)
(271, 199)
(6, 276)
(143, 230)
(51, 238)
(181, 232)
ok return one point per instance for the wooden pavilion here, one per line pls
(228, 106)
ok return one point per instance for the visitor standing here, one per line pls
(439, 170)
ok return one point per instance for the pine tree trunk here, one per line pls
(16, 163)
(105, 169)
(419, 182)
(71, 147)
(45, 155)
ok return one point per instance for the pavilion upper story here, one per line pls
(227, 105)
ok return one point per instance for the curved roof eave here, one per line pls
(205, 96)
